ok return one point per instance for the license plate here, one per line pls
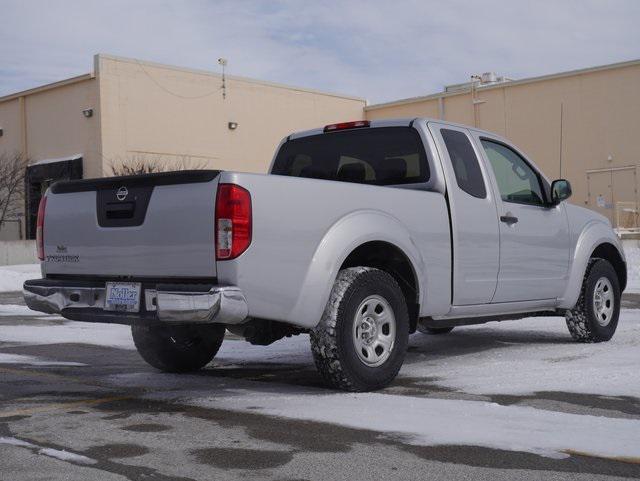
(123, 296)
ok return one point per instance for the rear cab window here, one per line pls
(375, 156)
(464, 162)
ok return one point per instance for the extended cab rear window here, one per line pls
(377, 156)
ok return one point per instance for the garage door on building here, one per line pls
(614, 194)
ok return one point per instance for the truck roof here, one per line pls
(399, 122)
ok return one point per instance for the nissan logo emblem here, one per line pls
(122, 193)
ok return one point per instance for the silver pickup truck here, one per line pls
(362, 233)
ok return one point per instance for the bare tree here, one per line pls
(188, 163)
(142, 165)
(13, 168)
(134, 167)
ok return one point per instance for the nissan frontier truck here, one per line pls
(362, 233)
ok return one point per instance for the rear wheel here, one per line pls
(595, 316)
(178, 348)
(361, 340)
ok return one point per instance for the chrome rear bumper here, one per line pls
(218, 304)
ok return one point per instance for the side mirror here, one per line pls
(560, 190)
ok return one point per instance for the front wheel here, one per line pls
(361, 340)
(182, 348)
(595, 316)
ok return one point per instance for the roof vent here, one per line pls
(488, 78)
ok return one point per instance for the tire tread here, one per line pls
(324, 337)
(578, 322)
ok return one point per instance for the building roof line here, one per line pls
(49, 86)
(227, 76)
(511, 83)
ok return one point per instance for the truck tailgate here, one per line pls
(152, 225)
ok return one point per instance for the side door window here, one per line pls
(516, 179)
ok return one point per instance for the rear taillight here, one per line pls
(40, 228)
(233, 221)
(347, 125)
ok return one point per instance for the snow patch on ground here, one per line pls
(424, 421)
(528, 356)
(33, 360)
(12, 277)
(66, 456)
(97, 334)
(15, 442)
(19, 310)
(289, 351)
(632, 253)
(52, 453)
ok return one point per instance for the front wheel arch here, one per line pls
(590, 241)
(609, 252)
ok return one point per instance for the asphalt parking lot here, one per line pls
(93, 409)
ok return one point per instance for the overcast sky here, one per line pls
(380, 50)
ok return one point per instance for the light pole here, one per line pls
(223, 62)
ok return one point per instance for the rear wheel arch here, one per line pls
(344, 237)
(390, 258)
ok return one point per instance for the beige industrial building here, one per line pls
(129, 111)
(581, 125)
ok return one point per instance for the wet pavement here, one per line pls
(94, 419)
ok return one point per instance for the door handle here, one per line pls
(508, 219)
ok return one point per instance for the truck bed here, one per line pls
(303, 229)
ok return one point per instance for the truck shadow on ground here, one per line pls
(297, 370)
(463, 341)
(422, 348)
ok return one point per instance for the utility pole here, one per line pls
(561, 139)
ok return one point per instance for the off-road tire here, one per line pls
(581, 320)
(332, 342)
(434, 331)
(182, 348)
